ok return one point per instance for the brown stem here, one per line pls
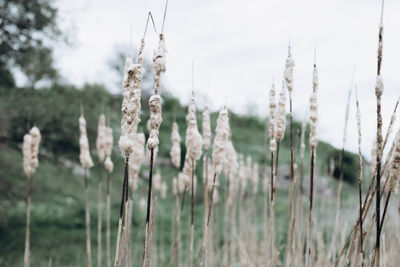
(292, 191)
(108, 203)
(149, 191)
(361, 220)
(28, 221)
(121, 210)
(99, 219)
(87, 217)
(309, 239)
(192, 217)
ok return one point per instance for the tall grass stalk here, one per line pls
(360, 161)
(378, 93)
(313, 147)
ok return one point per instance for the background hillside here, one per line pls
(57, 197)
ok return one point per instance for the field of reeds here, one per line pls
(139, 179)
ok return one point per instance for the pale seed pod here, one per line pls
(221, 138)
(206, 128)
(101, 137)
(36, 138)
(281, 116)
(26, 150)
(86, 160)
(175, 152)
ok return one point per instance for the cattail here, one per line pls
(84, 157)
(135, 161)
(28, 169)
(175, 152)
(280, 119)
(395, 167)
(358, 117)
(86, 162)
(206, 128)
(221, 137)
(219, 156)
(182, 182)
(154, 126)
(100, 145)
(101, 136)
(289, 72)
(313, 141)
(30, 163)
(36, 137)
(231, 167)
(392, 120)
(194, 144)
(109, 165)
(272, 112)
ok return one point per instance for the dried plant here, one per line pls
(86, 162)
(30, 150)
(109, 140)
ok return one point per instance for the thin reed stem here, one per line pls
(99, 217)
(108, 208)
(121, 210)
(28, 221)
(309, 257)
(87, 218)
(192, 217)
(149, 191)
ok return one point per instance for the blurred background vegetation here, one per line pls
(28, 29)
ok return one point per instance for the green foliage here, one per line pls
(25, 27)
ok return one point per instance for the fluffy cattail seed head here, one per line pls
(206, 128)
(84, 157)
(175, 152)
(314, 111)
(221, 138)
(109, 165)
(281, 116)
(155, 121)
(135, 161)
(159, 63)
(194, 142)
(272, 112)
(101, 137)
(289, 73)
(108, 141)
(27, 155)
(36, 137)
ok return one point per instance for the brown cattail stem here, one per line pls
(192, 217)
(149, 191)
(28, 221)
(385, 209)
(361, 220)
(178, 235)
(271, 241)
(309, 257)
(121, 210)
(291, 243)
(99, 217)
(150, 227)
(205, 236)
(87, 218)
(108, 208)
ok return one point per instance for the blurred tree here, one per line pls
(26, 27)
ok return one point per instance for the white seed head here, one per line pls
(155, 121)
(222, 132)
(86, 160)
(36, 138)
(289, 73)
(135, 161)
(194, 142)
(109, 165)
(206, 128)
(159, 66)
(108, 141)
(101, 137)
(175, 152)
(26, 149)
(281, 116)
(272, 112)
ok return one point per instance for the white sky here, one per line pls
(238, 46)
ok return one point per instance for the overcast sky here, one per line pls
(239, 46)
